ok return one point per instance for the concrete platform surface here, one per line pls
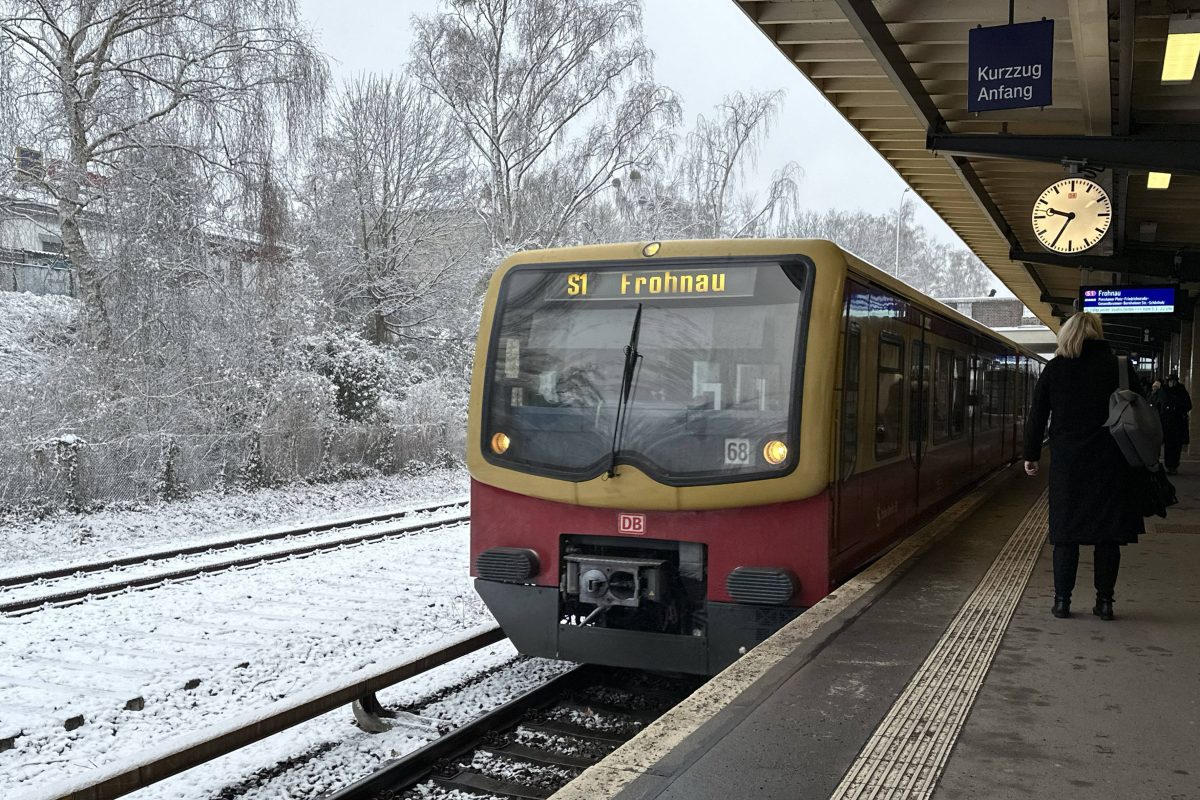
(945, 676)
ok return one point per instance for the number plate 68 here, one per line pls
(737, 452)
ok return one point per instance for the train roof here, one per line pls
(728, 248)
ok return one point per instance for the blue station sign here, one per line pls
(1011, 66)
(1129, 299)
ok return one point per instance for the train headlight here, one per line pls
(775, 452)
(500, 443)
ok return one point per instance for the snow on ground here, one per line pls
(328, 753)
(27, 544)
(241, 640)
(221, 552)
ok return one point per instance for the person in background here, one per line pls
(1173, 403)
(1091, 484)
(1152, 396)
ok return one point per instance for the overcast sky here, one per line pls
(704, 50)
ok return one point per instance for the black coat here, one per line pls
(1092, 495)
(1173, 404)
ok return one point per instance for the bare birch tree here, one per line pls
(97, 79)
(554, 97)
(388, 183)
(716, 155)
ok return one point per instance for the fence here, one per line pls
(68, 473)
(56, 278)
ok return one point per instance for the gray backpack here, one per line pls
(1134, 423)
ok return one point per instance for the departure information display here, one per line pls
(1129, 299)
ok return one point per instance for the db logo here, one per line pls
(634, 524)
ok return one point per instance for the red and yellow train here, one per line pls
(677, 447)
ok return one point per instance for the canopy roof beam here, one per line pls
(1137, 153)
(1176, 264)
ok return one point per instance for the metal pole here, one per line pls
(899, 220)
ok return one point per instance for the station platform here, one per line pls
(940, 672)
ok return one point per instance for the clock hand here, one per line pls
(1056, 211)
(1070, 217)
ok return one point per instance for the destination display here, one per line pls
(1129, 299)
(667, 284)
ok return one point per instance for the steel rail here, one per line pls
(403, 773)
(184, 752)
(71, 596)
(69, 570)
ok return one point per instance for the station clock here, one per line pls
(1072, 215)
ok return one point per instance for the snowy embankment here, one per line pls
(26, 544)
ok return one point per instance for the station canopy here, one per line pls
(897, 70)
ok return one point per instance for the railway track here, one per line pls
(25, 593)
(193, 748)
(534, 745)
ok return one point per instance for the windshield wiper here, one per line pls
(631, 357)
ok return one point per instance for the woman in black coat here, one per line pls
(1091, 486)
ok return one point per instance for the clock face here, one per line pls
(1072, 215)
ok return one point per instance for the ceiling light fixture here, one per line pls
(1183, 49)
(1158, 180)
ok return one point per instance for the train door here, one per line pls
(1018, 399)
(849, 486)
(1004, 391)
(973, 410)
(920, 359)
(877, 491)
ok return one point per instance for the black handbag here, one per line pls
(1155, 492)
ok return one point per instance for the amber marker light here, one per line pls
(500, 443)
(651, 249)
(1183, 49)
(775, 452)
(1158, 180)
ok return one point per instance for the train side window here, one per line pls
(943, 369)
(958, 398)
(889, 397)
(850, 385)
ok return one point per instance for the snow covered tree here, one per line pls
(98, 80)
(555, 98)
(387, 205)
(716, 155)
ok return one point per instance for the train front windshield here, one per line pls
(712, 385)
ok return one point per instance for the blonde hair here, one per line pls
(1076, 331)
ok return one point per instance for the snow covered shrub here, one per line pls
(357, 369)
(300, 401)
(65, 450)
(386, 460)
(252, 474)
(169, 485)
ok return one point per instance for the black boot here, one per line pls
(1062, 607)
(1103, 608)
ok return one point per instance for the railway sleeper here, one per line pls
(535, 755)
(478, 784)
(560, 728)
